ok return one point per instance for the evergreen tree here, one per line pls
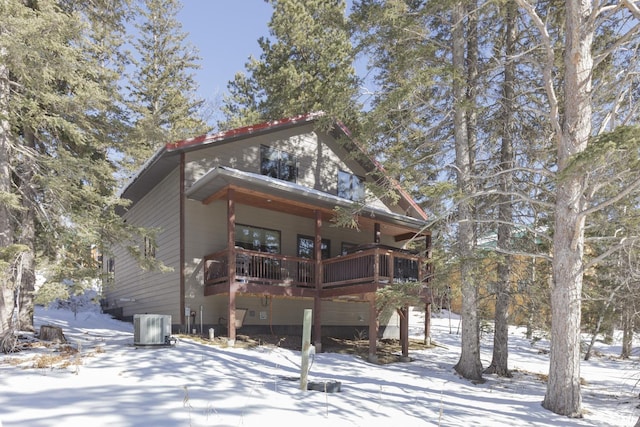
(499, 362)
(57, 180)
(163, 101)
(582, 50)
(424, 121)
(306, 66)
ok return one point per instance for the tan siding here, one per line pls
(265, 311)
(153, 292)
(206, 232)
(319, 159)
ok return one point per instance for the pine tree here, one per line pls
(163, 101)
(57, 181)
(306, 66)
(571, 101)
(499, 361)
(424, 121)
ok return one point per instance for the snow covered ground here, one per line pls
(114, 383)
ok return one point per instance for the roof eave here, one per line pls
(294, 191)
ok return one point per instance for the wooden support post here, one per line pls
(317, 302)
(373, 328)
(317, 324)
(403, 313)
(376, 233)
(231, 327)
(231, 245)
(306, 349)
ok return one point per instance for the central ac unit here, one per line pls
(151, 329)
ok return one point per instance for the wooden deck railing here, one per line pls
(373, 265)
(260, 267)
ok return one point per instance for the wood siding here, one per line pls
(206, 234)
(319, 157)
(138, 291)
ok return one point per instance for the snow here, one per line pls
(113, 383)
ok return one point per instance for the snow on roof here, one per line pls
(220, 176)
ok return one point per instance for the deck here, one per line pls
(363, 270)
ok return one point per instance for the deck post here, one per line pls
(306, 349)
(317, 302)
(427, 323)
(403, 313)
(231, 245)
(373, 328)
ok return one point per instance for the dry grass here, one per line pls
(13, 361)
(388, 350)
(50, 361)
(59, 356)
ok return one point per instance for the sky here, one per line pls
(226, 34)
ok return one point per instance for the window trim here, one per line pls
(238, 243)
(356, 190)
(289, 163)
(326, 242)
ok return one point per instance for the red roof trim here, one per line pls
(242, 131)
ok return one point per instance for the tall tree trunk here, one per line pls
(563, 387)
(27, 238)
(499, 361)
(28, 277)
(6, 230)
(469, 365)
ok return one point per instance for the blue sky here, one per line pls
(226, 33)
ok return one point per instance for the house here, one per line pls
(246, 223)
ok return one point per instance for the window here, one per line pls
(258, 239)
(110, 271)
(350, 186)
(346, 247)
(278, 164)
(306, 245)
(149, 248)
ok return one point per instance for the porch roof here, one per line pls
(270, 193)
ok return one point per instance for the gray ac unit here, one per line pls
(151, 329)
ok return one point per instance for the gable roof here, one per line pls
(167, 158)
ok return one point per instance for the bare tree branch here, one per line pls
(547, 69)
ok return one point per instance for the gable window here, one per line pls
(258, 239)
(306, 247)
(350, 186)
(278, 164)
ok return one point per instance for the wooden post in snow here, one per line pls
(306, 348)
